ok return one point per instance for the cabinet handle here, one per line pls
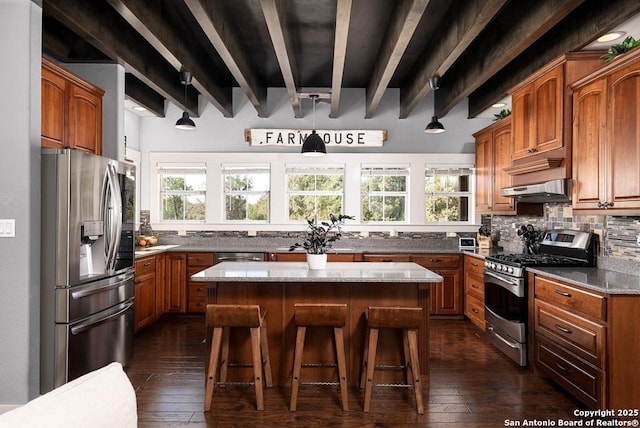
(474, 310)
(563, 293)
(474, 286)
(474, 264)
(531, 150)
(138, 281)
(609, 204)
(562, 329)
(561, 367)
(600, 204)
(147, 264)
(435, 260)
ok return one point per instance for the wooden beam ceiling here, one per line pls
(519, 26)
(108, 32)
(274, 14)
(211, 18)
(407, 16)
(173, 44)
(137, 91)
(462, 24)
(343, 21)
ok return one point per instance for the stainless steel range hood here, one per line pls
(549, 191)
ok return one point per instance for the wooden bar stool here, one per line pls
(222, 318)
(320, 315)
(407, 319)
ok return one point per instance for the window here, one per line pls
(384, 193)
(447, 194)
(183, 191)
(314, 191)
(246, 192)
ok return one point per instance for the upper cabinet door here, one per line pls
(484, 172)
(502, 159)
(537, 115)
(589, 124)
(85, 120)
(522, 113)
(548, 104)
(624, 137)
(53, 120)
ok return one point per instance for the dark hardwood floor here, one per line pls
(472, 385)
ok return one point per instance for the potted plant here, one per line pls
(628, 44)
(320, 238)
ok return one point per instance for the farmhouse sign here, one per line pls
(295, 137)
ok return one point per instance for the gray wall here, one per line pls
(215, 133)
(20, 46)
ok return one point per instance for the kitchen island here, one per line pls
(276, 287)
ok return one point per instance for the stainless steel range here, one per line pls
(506, 291)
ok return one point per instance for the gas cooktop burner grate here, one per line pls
(536, 260)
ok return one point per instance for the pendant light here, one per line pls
(314, 145)
(185, 121)
(434, 127)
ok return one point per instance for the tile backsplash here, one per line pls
(617, 235)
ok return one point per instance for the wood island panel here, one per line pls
(278, 299)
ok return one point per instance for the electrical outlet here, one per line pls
(182, 233)
(451, 234)
(252, 233)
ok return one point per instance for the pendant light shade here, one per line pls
(314, 145)
(434, 127)
(185, 122)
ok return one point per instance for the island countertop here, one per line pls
(393, 272)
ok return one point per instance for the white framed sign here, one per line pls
(295, 137)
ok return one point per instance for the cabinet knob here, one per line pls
(474, 310)
(532, 150)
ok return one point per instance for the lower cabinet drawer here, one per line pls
(578, 335)
(579, 378)
(197, 298)
(474, 310)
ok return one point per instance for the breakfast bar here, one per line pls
(277, 287)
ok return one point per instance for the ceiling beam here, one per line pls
(403, 24)
(107, 31)
(586, 23)
(137, 91)
(518, 27)
(343, 20)
(172, 44)
(461, 25)
(274, 15)
(211, 18)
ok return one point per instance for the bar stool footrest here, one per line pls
(319, 365)
(321, 383)
(394, 385)
(234, 383)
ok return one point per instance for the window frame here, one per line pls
(247, 167)
(385, 193)
(316, 193)
(186, 169)
(469, 193)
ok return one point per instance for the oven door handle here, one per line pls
(502, 339)
(501, 278)
(91, 324)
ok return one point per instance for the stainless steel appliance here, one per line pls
(249, 256)
(506, 290)
(87, 252)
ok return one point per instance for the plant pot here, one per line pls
(316, 261)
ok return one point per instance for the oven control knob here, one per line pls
(493, 265)
(510, 270)
(499, 267)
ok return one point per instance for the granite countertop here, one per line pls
(393, 272)
(597, 279)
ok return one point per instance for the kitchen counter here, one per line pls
(602, 280)
(334, 272)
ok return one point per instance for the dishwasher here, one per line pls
(239, 257)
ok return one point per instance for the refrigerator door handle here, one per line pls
(91, 324)
(101, 288)
(113, 216)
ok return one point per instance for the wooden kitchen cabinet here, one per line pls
(474, 290)
(145, 292)
(541, 116)
(493, 155)
(445, 298)
(176, 282)
(606, 142)
(71, 110)
(197, 291)
(302, 257)
(387, 257)
(587, 342)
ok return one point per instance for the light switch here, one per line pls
(7, 228)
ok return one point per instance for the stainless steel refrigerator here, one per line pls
(87, 254)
